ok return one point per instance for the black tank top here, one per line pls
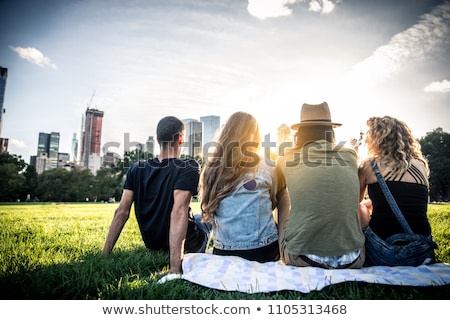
(412, 199)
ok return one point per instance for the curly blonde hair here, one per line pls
(391, 140)
(235, 155)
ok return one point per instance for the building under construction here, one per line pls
(91, 138)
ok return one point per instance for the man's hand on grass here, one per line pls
(170, 276)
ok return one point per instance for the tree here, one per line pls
(131, 157)
(31, 181)
(11, 177)
(61, 185)
(107, 184)
(436, 148)
(18, 180)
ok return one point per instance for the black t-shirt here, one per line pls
(153, 183)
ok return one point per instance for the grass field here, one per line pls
(53, 251)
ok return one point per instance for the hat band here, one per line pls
(317, 120)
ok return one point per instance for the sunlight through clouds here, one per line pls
(415, 43)
(148, 59)
(358, 89)
(34, 56)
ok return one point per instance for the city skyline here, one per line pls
(47, 151)
(363, 57)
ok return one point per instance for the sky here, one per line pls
(140, 60)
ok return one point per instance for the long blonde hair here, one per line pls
(230, 161)
(391, 140)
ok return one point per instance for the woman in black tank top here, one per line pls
(399, 157)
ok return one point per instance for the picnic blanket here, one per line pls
(236, 274)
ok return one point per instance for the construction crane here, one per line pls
(85, 138)
(90, 101)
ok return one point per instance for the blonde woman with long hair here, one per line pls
(240, 193)
(398, 155)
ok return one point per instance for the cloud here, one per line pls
(321, 6)
(17, 143)
(34, 56)
(263, 9)
(415, 43)
(443, 86)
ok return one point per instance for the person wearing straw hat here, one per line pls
(323, 228)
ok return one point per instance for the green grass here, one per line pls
(53, 251)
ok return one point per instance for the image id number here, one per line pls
(307, 309)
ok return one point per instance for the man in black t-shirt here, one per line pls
(161, 190)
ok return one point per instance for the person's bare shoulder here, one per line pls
(365, 172)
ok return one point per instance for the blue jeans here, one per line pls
(198, 234)
(206, 228)
(399, 249)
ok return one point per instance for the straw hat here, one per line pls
(315, 114)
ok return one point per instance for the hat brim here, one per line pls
(315, 123)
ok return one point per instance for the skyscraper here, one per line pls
(91, 139)
(284, 136)
(211, 126)
(74, 148)
(150, 145)
(53, 149)
(48, 148)
(192, 138)
(3, 77)
(284, 140)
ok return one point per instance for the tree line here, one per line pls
(19, 181)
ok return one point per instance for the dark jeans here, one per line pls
(198, 235)
(267, 253)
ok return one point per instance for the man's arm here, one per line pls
(364, 170)
(121, 216)
(178, 228)
(365, 206)
(284, 206)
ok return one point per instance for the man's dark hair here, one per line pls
(308, 134)
(168, 130)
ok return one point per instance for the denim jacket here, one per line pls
(244, 219)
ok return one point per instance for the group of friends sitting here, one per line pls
(315, 205)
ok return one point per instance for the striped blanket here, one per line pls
(237, 274)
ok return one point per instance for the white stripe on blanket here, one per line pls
(237, 274)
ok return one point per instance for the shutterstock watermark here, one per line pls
(330, 153)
